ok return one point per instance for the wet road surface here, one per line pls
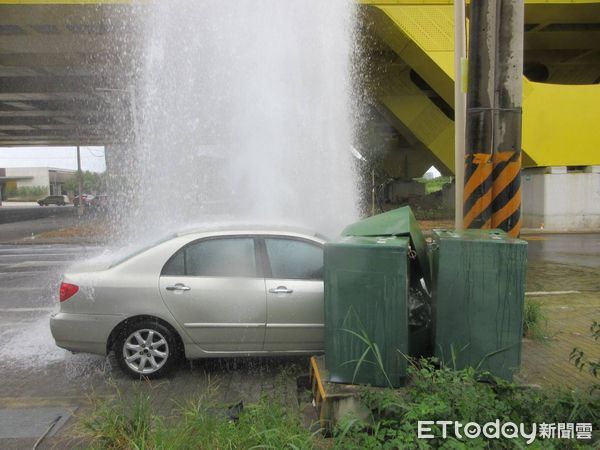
(35, 373)
(575, 249)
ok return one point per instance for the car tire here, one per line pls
(146, 349)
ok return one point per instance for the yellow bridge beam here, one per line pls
(559, 121)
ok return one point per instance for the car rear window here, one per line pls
(135, 250)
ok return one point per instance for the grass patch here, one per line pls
(534, 320)
(95, 231)
(202, 423)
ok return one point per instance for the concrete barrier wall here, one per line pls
(555, 198)
(558, 199)
(11, 214)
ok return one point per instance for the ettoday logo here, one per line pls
(505, 430)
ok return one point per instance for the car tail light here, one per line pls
(67, 290)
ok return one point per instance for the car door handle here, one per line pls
(280, 290)
(178, 287)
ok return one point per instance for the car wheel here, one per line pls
(146, 349)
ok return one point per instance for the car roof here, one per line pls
(252, 229)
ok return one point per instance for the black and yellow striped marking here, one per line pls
(506, 192)
(492, 194)
(478, 190)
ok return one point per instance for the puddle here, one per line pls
(29, 344)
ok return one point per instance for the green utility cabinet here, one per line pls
(397, 222)
(366, 316)
(478, 294)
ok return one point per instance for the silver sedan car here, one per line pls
(198, 295)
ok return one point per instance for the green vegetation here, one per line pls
(92, 182)
(199, 424)
(444, 394)
(582, 361)
(534, 320)
(433, 394)
(26, 193)
(434, 184)
(436, 212)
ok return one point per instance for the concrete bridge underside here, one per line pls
(67, 67)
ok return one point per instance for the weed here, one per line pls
(582, 361)
(446, 394)
(534, 320)
(370, 347)
(352, 320)
(120, 424)
(201, 424)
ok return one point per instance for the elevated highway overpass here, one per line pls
(67, 69)
(68, 72)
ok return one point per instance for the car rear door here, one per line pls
(294, 281)
(215, 289)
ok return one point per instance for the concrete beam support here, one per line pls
(556, 199)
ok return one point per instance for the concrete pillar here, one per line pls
(115, 160)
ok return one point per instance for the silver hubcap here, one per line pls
(145, 351)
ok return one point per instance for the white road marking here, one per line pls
(45, 309)
(541, 293)
(21, 255)
(23, 288)
(38, 264)
(21, 273)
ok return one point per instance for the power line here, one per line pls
(93, 154)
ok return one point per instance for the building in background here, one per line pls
(46, 180)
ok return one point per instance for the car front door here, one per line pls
(294, 281)
(215, 289)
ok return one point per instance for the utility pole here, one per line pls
(492, 190)
(79, 183)
(459, 111)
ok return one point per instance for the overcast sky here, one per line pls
(92, 158)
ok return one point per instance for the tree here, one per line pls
(92, 182)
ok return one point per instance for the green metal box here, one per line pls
(478, 294)
(397, 222)
(366, 316)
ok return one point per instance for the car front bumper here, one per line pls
(83, 333)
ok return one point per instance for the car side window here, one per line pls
(227, 257)
(294, 259)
